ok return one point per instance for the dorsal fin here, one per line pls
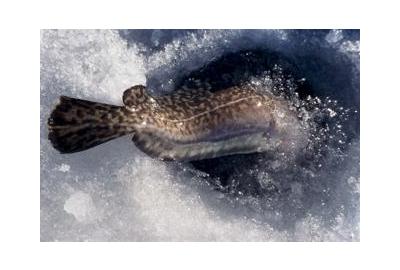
(135, 95)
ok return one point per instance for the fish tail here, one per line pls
(76, 125)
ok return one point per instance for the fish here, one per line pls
(185, 125)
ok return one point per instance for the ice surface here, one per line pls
(116, 193)
(81, 206)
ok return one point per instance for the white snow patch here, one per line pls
(94, 64)
(81, 206)
(64, 168)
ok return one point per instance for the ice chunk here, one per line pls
(81, 206)
(64, 168)
(334, 36)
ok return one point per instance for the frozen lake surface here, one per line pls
(114, 192)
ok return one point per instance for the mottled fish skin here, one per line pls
(189, 124)
(76, 125)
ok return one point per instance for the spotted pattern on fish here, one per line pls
(188, 124)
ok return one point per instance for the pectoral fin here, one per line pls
(135, 96)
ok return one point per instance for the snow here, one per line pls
(81, 206)
(114, 192)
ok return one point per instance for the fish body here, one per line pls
(186, 125)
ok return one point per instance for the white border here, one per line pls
(20, 133)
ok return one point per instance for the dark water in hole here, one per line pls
(236, 172)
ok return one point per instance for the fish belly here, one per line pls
(166, 149)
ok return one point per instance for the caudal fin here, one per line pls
(76, 125)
